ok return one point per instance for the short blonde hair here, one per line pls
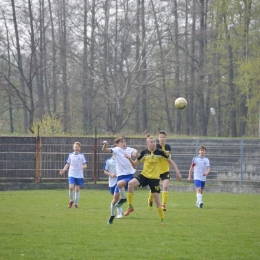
(77, 143)
(149, 137)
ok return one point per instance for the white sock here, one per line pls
(71, 194)
(199, 197)
(119, 210)
(122, 193)
(77, 195)
(112, 210)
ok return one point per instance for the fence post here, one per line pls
(38, 162)
(241, 162)
(95, 157)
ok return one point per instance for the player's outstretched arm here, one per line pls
(133, 162)
(104, 147)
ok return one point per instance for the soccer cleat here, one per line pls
(70, 204)
(197, 204)
(76, 206)
(163, 207)
(120, 202)
(150, 204)
(162, 223)
(201, 205)
(119, 213)
(131, 209)
(110, 221)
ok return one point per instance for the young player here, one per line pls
(201, 167)
(165, 171)
(110, 171)
(152, 159)
(76, 163)
(124, 169)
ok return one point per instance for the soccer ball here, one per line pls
(180, 103)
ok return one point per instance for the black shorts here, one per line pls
(165, 176)
(154, 184)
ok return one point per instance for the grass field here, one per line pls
(38, 225)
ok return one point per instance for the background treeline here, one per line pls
(118, 65)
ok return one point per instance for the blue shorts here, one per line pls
(126, 178)
(76, 181)
(112, 189)
(200, 184)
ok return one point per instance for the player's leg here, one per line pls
(155, 188)
(71, 191)
(165, 192)
(202, 187)
(121, 184)
(77, 195)
(150, 200)
(131, 185)
(199, 202)
(78, 182)
(115, 198)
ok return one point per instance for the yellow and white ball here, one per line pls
(180, 103)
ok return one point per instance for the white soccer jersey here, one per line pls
(123, 165)
(200, 166)
(76, 162)
(110, 165)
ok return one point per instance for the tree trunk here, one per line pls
(20, 67)
(63, 58)
(144, 69)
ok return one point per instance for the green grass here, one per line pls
(38, 225)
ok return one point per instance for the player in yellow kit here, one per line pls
(165, 171)
(152, 159)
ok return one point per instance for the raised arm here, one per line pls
(104, 147)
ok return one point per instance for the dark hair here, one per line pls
(203, 147)
(119, 139)
(162, 132)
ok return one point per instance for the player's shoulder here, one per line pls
(195, 158)
(158, 146)
(160, 152)
(167, 147)
(129, 148)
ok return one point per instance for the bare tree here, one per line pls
(20, 68)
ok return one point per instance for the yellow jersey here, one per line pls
(153, 162)
(165, 167)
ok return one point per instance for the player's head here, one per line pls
(120, 142)
(76, 147)
(162, 136)
(202, 147)
(151, 142)
(202, 150)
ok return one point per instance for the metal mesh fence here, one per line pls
(31, 159)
